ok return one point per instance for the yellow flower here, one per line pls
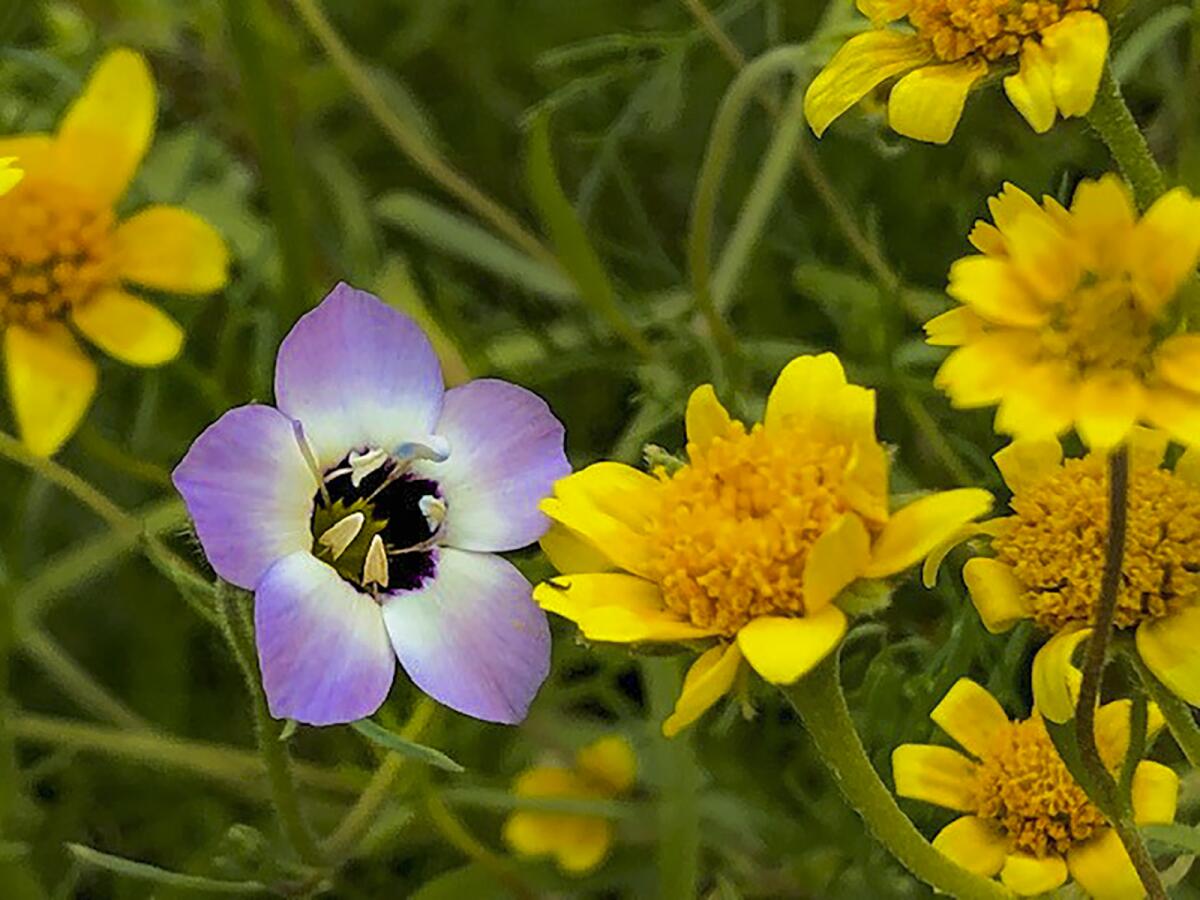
(1049, 558)
(1064, 312)
(603, 770)
(745, 547)
(65, 259)
(947, 46)
(10, 174)
(1024, 817)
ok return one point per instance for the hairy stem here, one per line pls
(1113, 121)
(819, 701)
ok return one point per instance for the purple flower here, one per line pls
(365, 511)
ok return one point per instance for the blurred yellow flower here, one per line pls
(1064, 312)
(10, 174)
(65, 259)
(948, 46)
(744, 548)
(603, 770)
(1049, 558)
(1024, 817)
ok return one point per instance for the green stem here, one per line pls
(1108, 796)
(240, 769)
(81, 490)
(412, 144)
(680, 780)
(456, 834)
(239, 635)
(1113, 121)
(818, 700)
(380, 788)
(1177, 713)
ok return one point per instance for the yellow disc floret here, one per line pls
(1055, 544)
(1101, 328)
(1024, 787)
(737, 523)
(56, 252)
(990, 29)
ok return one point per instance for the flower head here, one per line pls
(1024, 817)
(1064, 316)
(745, 547)
(365, 512)
(945, 47)
(66, 260)
(603, 770)
(1048, 556)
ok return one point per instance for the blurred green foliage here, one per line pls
(589, 121)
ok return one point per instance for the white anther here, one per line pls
(433, 447)
(375, 569)
(340, 536)
(363, 464)
(434, 510)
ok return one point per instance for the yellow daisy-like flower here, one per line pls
(603, 770)
(10, 174)
(1024, 817)
(946, 46)
(65, 260)
(1064, 312)
(1049, 559)
(745, 547)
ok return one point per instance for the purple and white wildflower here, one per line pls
(365, 510)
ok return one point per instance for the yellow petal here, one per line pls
(1009, 205)
(1056, 678)
(998, 596)
(938, 775)
(801, 392)
(609, 761)
(986, 238)
(108, 128)
(1187, 466)
(954, 328)
(1103, 215)
(1102, 868)
(1178, 361)
(1077, 46)
(1109, 404)
(1024, 463)
(914, 531)
(50, 384)
(994, 290)
(1176, 412)
(970, 715)
(547, 781)
(982, 372)
(862, 63)
(836, 558)
(927, 103)
(531, 833)
(1168, 648)
(865, 481)
(1164, 248)
(1043, 254)
(34, 152)
(583, 844)
(10, 174)
(570, 553)
(933, 562)
(171, 249)
(1155, 793)
(1028, 876)
(782, 650)
(880, 12)
(614, 608)
(706, 418)
(1040, 403)
(707, 681)
(128, 328)
(1031, 90)
(975, 844)
(1147, 446)
(1113, 725)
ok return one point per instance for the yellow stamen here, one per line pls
(1025, 788)
(1055, 544)
(736, 525)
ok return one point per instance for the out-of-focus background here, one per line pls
(345, 153)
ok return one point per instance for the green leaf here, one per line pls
(865, 597)
(462, 238)
(143, 872)
(1176, 837)
(389, 740)
(470, 881)
(570, 240)
(1146, 39)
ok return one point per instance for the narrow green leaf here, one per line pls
(1138, 47)
(389, 740)
(1177, 837)
(143, 872)
(570, 240)
(458, 236)
(470, 881)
